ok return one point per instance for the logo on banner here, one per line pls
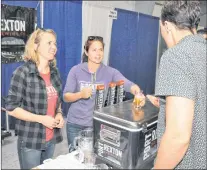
(17, 23)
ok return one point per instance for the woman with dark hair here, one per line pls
(181, 87)
(80, 88)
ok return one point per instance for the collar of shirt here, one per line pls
(33, 68)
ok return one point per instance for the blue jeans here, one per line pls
(72, 132)
(30, 158)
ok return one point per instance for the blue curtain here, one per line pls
(134, 48)
(7, 69)
(123, 49)
(147, 33)
(65, 18)
(28, 4)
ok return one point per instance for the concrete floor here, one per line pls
(9, 157)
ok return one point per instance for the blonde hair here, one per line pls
(30, 53)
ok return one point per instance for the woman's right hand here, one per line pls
(86, 92)
(49, 121)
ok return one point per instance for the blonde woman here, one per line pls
(34, 99)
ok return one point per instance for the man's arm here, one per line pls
(175, 141)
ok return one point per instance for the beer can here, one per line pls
(99, 101)
(111, 93)
(120, 91)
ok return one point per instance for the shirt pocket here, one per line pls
(35, 95)
(35, 89)
(35, 81)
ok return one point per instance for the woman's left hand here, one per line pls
(59, 117)
(135, 90)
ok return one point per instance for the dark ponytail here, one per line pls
(84, 57)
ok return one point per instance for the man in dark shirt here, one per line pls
(181, 130)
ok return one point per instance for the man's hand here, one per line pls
(60, 120)
(154, 100)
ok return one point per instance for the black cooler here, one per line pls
(125, 137)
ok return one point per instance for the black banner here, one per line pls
(17, 23)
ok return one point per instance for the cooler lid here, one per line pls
(125, 113)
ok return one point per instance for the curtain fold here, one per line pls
(123, 53)
(65, 18)
(134, 48)
(147, 51)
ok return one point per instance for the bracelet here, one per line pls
(59, 111)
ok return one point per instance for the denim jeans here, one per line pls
(72, 132)
(30, 158)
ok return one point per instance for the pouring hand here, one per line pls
(138, 95)
(135, 89)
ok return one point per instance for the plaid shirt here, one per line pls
(28, 91)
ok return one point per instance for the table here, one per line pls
(68, 161)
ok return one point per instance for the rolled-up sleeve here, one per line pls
(117, 76)
(16, 90)
(71, 82)
(175, 79)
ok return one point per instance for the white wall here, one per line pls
(128, 5)
(145, 7)
(157, 11)
(96, 20)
